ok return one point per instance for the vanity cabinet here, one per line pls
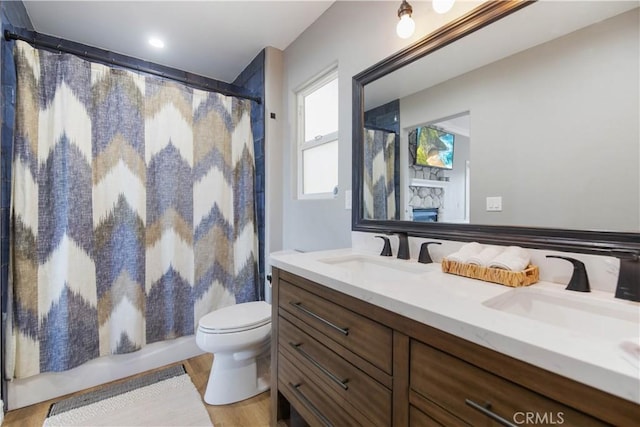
(333, 362)
(358, 334)
(443, 385)
(338, 360)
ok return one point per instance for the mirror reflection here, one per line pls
(513, 125)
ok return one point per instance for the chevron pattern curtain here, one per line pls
(132, 211)
(379, 177)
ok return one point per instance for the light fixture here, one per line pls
(156, 42)
(405, 26)
(442, 6)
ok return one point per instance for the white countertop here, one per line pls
(454, 304)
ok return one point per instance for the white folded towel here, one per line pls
(465, 252)
(487, 255)
(514, 258)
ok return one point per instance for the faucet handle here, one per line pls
(579, 280)
(628, 286)
(386, 249)
(403, 245)
(424, 256)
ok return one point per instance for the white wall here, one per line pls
(355, 35)
(562, 120)
(454, 195)
(273, 148)
(273, 154)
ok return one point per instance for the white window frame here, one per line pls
(311, 86)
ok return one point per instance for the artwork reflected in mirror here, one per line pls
(433, 147)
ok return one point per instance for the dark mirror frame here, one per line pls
(621, 244)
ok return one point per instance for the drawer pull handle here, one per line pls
(299, 306)
(486, 410)
(314, 362)
(308, 404)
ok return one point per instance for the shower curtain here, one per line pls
(379, 174)
(132, 210)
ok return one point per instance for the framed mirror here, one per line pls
(518, 123)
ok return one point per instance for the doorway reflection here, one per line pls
(437, 174)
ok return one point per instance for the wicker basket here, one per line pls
(495, 275)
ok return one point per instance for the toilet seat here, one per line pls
(236, 318)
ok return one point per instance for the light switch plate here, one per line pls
(347, 200)
(494, 204)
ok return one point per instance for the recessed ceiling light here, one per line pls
(156, 42)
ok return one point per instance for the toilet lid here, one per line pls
(237, 317)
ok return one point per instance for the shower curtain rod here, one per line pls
(112, 58)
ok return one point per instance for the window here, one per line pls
(318, 137)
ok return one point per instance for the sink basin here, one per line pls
(379, 268)
(582, 313)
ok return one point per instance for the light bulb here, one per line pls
(156, 42)
(405, 27)
(442, 6)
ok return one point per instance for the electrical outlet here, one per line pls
(494, 204)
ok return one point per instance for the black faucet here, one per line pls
(403, 246)
(424, 256)
(579, 280)
(628, 286)
(386, 249)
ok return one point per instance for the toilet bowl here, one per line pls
(239, 338)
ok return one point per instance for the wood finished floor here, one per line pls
(248, 413)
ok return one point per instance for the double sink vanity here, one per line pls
(360, 339)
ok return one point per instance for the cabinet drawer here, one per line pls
(364, 337)
(417, 418)
(345, 381)
(435, 412)
(316, 406)
(475, 395)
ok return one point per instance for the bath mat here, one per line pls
(162, 398)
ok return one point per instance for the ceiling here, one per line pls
(216, 39)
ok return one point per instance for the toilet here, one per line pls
(239, 338)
